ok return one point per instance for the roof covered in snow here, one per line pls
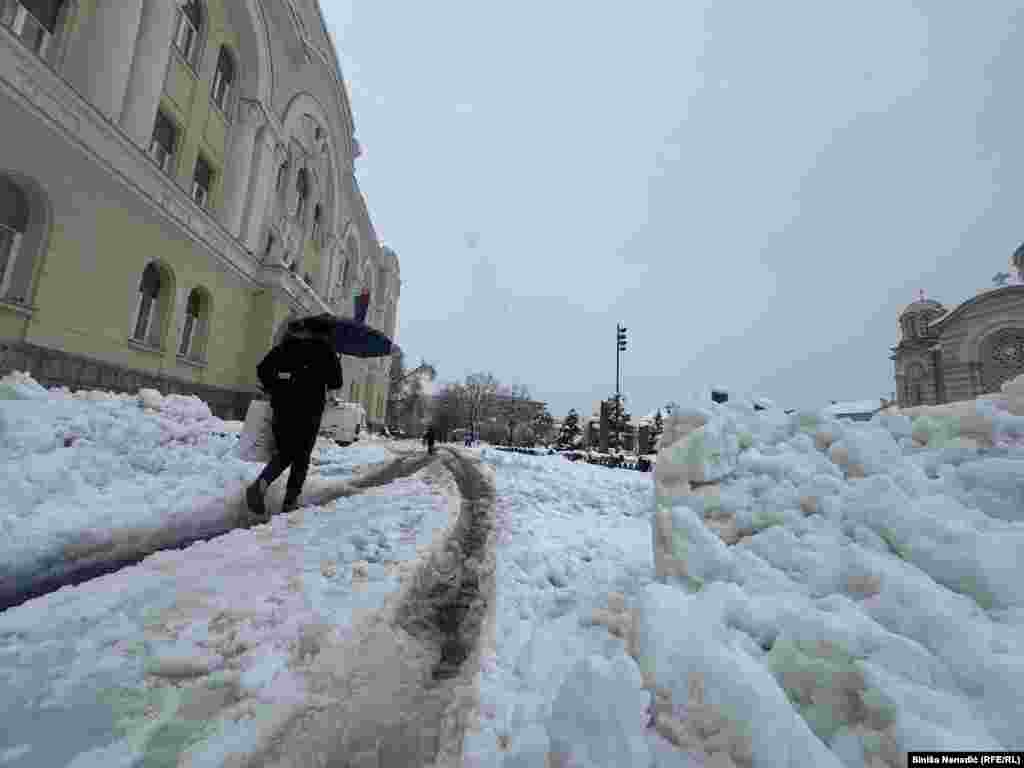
(856, 406)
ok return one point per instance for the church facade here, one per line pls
(948, 355)
(176, 183)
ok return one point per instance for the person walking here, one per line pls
(296, 374)
(428, 439)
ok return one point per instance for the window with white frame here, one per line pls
(202, 182)
(164, 142)
(193, 333)
(147, 315)
(187, 31)
(223, 80)
(13, 224)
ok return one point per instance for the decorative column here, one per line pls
(101, 70)
(268, 157)
(149, 70)
(238, 167)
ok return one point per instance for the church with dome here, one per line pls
(945, 355)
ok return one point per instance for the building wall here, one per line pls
(77, 125)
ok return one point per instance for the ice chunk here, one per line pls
(996, 486)
(680, 638)
(598, 711)
(873, 449)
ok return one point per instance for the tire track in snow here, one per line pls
(403, 690)
(135, 546)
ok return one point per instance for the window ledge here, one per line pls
(191, 362)
(17, 307)
(144, 347)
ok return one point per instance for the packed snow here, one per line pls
(93, 474)
(202, 656)
(784, 590)
(821, 593)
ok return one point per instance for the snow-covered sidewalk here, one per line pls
(203, 655)
(92, 477)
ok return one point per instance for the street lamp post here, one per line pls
(620, 347)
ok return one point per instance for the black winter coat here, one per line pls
(297, 374)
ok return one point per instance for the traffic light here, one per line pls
(620, 335)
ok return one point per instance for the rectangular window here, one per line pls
(164, 142)
(202, 181)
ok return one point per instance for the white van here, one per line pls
(343, 422)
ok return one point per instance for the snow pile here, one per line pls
(91, 475)
(841, 592)
(205, 656)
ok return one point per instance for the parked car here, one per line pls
(343, 422)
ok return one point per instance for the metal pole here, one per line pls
(617, 350)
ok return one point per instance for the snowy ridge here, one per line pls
(823, 593)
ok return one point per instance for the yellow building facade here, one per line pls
(176, 182)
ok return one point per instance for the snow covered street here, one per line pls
(784, 590)
(211, 650)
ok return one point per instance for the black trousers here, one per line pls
(294, 439)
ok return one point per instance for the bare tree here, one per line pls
(481, 392)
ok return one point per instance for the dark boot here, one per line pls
(255, 498)
(291, 501)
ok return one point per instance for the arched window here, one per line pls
(317, 215)
(223, 80)
(282, 174)
(302, 190)
(147, 315)
(916, 375)
(922, 325)
(194, 331)
(188, 29)
(13, 225)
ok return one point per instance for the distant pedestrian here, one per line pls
(296, 374)
(429, 437)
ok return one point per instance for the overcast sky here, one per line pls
(754, 189)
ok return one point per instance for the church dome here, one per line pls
(924, 306)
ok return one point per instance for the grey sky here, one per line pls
(754, 189)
